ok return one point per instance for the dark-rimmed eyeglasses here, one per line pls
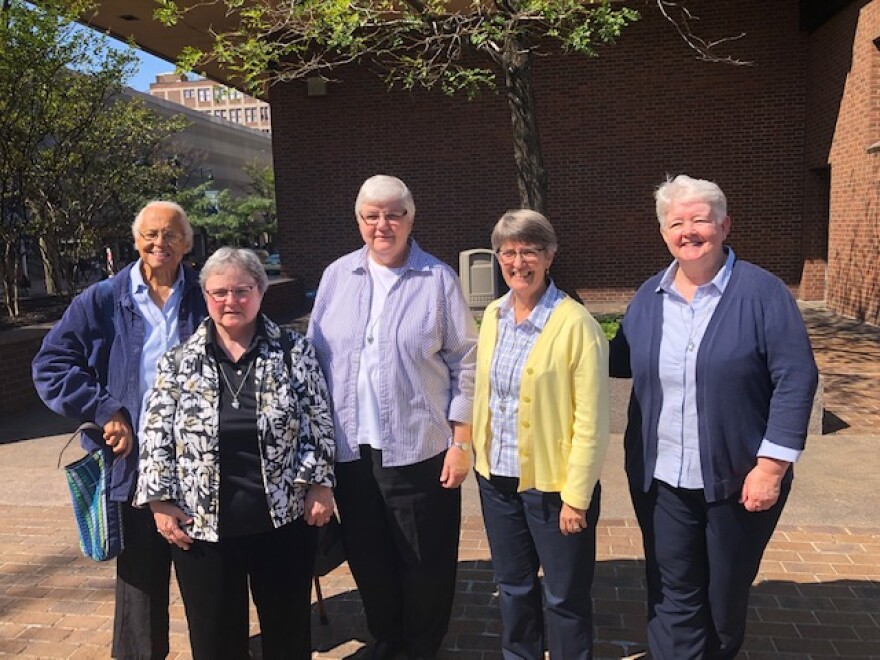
(240, 293)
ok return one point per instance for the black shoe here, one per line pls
(384, 650)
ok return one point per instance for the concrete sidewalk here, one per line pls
(817, 595)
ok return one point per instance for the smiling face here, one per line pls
(161, 241)
(235, 312)
(524, 268)
(692, 234)
(387, 239)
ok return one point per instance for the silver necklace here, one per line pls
(504, 395)
(235, 402)
(372, 327)
(695, 327)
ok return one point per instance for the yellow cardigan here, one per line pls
(563, 404)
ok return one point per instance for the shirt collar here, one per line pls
(416, 259)
(719, 282)
(260, 335)
(138, 285)
(539, 316)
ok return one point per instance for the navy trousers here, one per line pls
(523, 531)
(400, 528)
(700, 561)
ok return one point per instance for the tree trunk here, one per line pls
(51, 265)
(516, 60)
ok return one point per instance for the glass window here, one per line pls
(189, 93)
(204, 94)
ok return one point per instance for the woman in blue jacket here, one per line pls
(723, 383)
(97, 364)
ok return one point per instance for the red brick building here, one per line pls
(792, 139)
(787, 138)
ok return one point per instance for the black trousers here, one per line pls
(143, 572)
(213, 579)
(400, 528)
(700, 561)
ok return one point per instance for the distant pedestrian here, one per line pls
(723, 382)
(97, 364)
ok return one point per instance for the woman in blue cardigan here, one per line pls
(723, 383)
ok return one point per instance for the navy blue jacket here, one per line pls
(755, 377)
(89, 364)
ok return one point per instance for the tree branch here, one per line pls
(706, 50)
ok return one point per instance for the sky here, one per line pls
(150, 67)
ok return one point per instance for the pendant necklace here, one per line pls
(695, 327)
(235, 402)
(504, 395)
(372, 327)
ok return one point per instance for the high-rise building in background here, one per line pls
(214, 99)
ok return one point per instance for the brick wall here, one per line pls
(843, 122)
(611, 129)
(17, 350)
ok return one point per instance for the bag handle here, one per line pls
(85, 426)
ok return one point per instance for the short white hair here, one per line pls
(245, 260)
(687, 189)
(171, 206)
(383, 188)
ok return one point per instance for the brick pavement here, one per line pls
(817, 595)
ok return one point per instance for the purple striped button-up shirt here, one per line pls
(427, 337)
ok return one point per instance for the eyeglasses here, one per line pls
(526, 254)
(168, 236)
(372, 219)
(240, 293)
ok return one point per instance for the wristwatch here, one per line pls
(464, 446)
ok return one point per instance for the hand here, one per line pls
(118, 435)
(168, 517)
(456, 465)
(319, 505)
(763, 484)
(571, 520)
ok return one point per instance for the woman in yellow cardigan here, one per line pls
(540, 435)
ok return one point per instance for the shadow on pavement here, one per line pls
(36, 421)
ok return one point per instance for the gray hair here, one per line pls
(524, 226)
(233, 257)
(383, 188)
(171, 206)
(686, 189)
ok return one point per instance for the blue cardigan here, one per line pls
(88, 366)
(755, 376)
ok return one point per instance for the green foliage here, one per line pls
(416, 43)
(229, 220)
(75, 159)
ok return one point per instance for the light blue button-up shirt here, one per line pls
(684, 324)
(427, 340)
(160, 326)
(512, 349)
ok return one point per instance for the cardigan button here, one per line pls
(527, 399)
(525, 425)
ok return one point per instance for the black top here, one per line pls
(243, 506)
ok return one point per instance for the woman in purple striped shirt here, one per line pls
(396, 341)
